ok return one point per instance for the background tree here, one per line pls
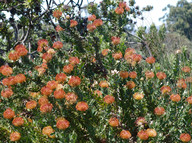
(179, 18)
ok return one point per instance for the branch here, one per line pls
(142, 41)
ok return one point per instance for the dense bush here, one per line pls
(92, 87)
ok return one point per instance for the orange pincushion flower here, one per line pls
(119, 10)
(18, 121)
(21, 50)
(117, 55)
(68, 68)
(138, 96)
(31, 104)
(9, 81)
(136, 57)
(133, 75)
(140, 121)
(130, 85)
(59, 94)
(14, 56)
(73, 23)
(124, 134)
(8, 113)
(98, 22)
(143, 135)
(62, 124)
(122, 4)
(98, 92)
(189, 99)
(103, 84)
(91, 17)
(43, 100)
(114, 122)
(130, 51)
(20, 78)
(52, 84)
(6, 70)
(59, 28)
(161, 75)
(46, 91)
(15, 136)
(48, 131)
(6, 93)
(109, 99)
(60, 77)
(74, 81)
(186, 69)
(42, 43)
(74, 60)
(57, 14)
(39, 49)
(151, 132)
(115, 40)
(57, 45)
(91, 27)
(149, 74)
(82, 106)
(47, 57)
(71, 97)
(105, 52)
(165, 89)
(175, 97)
(181, 84)
(185, 137)
(150, 60)
(124, 74)
(44, 65)
(47, 107)
(159, 111)
(41, 70)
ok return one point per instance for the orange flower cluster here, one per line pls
(109, 99)
(185, 137)
(74, 81)
(117, 55)
(59, 94)
(18, 121)
(20, 50)
(103, 84)
(71, 97)
(105, 52)
(82, 106)
(181, 84)
(59, 28)
(96, 22)
(15, 136)
(130, 85)
(159, 111)
(8, 113)
(31, 104)
(6, 93)
(114, 122)
(124, 74)
(165, 89)
(124, 134)
(74, 61)
(57, 14)
(150, 60)
(73, 23)
(42, 43)
(60, 77)
(161, 75)
(138, 96)
(62, 124)
(12, 80)
(48, 131)
(57, 45)
(120, 10)
(175, 97)
(186, 69)
(68, 68)
(92, 17)
(149, 74)
(115, 40)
